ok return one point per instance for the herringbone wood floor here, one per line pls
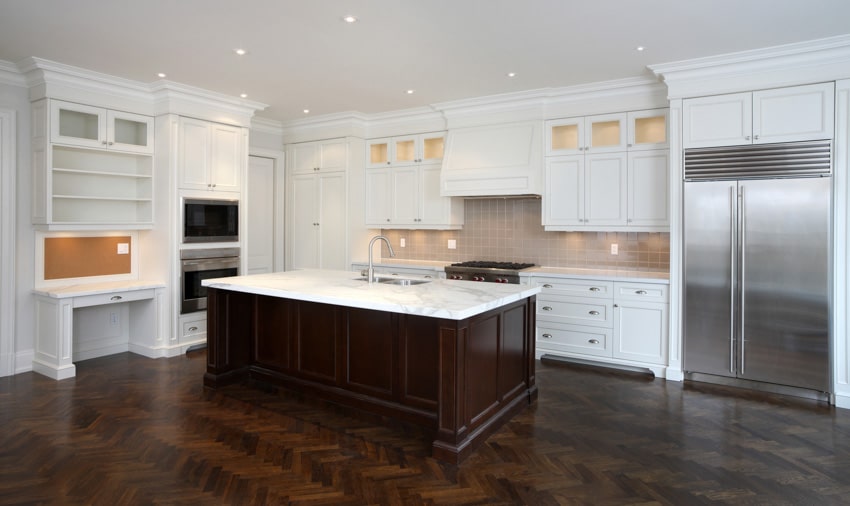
(131, 430)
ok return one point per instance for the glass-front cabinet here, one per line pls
(607, 133)
(405, 150)
(95, 127)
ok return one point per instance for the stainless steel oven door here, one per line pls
(195, 270)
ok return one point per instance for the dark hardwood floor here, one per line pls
(131, 430)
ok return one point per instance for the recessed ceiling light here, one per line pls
(240, 52)
(410, 92)
(349, 19)
(306, 111)
(640, 48)
(161, 75)
(244, 95)
(511, 74)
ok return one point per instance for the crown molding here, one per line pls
(789, 64)
(266, 125)
(9, 74)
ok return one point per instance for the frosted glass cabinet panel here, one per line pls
(95, 127)
(405, 150)
(648, 129)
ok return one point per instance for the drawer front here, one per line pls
(574, 339)
(113, 298)
(575, 310)
(576, 287)
(637, 291)
(193, 328)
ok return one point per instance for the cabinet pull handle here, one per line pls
(547, 308)
(616, 305)
(547, 336)
(593, 313)
(192, 329)
(746, 137)
(594, 289)
(104, 143)
(428, 276)
(110, 143)
(640, 292)
(547, 285)
(593, 341)
(755, 137)
(116, 297)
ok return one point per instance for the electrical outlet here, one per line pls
(113, 318)
(123, 248)
(452, 244)
(615, 250)
(401, 242)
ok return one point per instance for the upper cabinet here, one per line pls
(405, 150)
(328, 156)
(95, 127)
(607, 133)
(797, 113)
(211, 156)
(409, 198)
(92, 168)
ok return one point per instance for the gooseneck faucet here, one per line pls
(371, 272)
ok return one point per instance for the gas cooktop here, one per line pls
(485, 264)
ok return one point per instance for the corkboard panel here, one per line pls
(79, 257)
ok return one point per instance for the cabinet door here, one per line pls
(563, 197)
(723, 120)
(78, 125)
(227, 158)
(405, 150)
(565, 136)
(648, 129)
(304, 236)
(434, 209)
(379, 152)
(649, 189)
(305, 157)
(334, 156)
(332, 227)
(129, 132)
(378, 197)
(405, 195)
(605, 133)
(431, 147)
(259, 204)
(605, 183)
(640, 331)
(194, 154)
(799, 113)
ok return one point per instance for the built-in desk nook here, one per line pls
(71, 323)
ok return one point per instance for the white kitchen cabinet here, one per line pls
(648, 129)
(623, 322)
(798, 113)
(82, 186)
(95, 127)
(586, 191)
(648, 189)
(607, 133)
(405, 150)
(329, 156)
(211, 156)
(640, 322)
(408, 197)
(318, 221)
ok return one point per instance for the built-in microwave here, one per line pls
(210, 220)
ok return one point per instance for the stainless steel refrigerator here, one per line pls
(757, 258)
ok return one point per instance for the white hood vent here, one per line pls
(493, 160)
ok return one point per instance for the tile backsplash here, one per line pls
(510, 230)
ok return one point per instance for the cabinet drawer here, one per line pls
(575, 310)
(194, 328)
(113, 298)
(577, 287)
(637, 291)
(574, 339)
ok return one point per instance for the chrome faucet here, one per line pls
(371, 272)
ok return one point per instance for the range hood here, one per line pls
(493, 161)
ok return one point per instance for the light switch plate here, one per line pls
(123, 248)
(452, 244)
(401, 242)
(615, 249)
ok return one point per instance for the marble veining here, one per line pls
(440, 298)
(78, 290)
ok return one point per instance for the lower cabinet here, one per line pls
(625, 322)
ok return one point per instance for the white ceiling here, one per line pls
(301, 55)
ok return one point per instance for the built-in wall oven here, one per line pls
(210, 220)
(197, 265)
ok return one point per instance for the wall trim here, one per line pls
(8, 201)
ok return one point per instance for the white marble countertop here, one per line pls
(62, 292)
(413, 264)
(623, 275)
(439, 298)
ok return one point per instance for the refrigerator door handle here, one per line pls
(743, 239)
(733, 203)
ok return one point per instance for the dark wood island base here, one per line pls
(461, 379)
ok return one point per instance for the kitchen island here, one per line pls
(455, 357)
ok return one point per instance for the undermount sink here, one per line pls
(398, 281)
